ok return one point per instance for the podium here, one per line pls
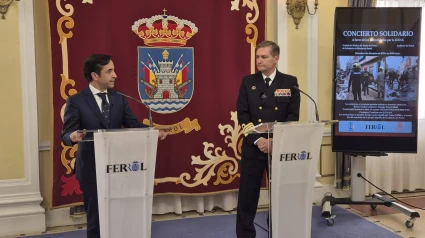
(293, 162)
(125, 170)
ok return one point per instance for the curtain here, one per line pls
(179, 204)
(197, 166)
(361, 3)
(398, 172)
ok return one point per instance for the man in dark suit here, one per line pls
(267, 96)
(96, 107)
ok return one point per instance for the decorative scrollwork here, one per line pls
(63, 85)
(66, 162)
(217, 157)
(69, 24)
(251, 29)
(204, 174)
(226, 170)
(67, 6)
(252, 4)
(235, 5)
(234, 139)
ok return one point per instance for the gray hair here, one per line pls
(275, 50)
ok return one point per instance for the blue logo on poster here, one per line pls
(351, 126)
(165, 78)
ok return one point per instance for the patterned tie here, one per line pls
(105, 107)
(267, 82)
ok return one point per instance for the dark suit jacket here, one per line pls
(256, 105)
(82, 112)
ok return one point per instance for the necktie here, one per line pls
(267, 82)
(105, 107)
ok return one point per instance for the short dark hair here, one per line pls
(95, 63)
(274, 47)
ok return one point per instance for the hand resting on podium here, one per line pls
(77, 136)
(162, 135)
(263, 145)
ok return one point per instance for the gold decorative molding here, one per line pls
(217, 160)
(4, 7)
(67, 7)
(68, 152)
(252, 5)
(296, 9)
(65, 82)
(68, 164)
(69, 23)
(250, 28)
(217, 157)
(224, 172)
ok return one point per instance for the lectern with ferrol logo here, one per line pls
(293, 162)
(125, 171)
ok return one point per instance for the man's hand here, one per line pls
(77, 136)
(263, 145)
(162, 135)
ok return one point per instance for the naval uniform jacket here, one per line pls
(255, 104)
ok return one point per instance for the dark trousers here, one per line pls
(252, 171)
(365, 89)
(92, 209)
(357, 95)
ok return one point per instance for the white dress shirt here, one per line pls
(271, 77)
(95, 91)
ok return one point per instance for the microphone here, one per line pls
(315, 106)
(137, 100)
(263, 95)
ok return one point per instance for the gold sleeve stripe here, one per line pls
(247, 128)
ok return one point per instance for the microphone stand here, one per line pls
(315, 106)
(137, 100)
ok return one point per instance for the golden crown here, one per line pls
(164, 30)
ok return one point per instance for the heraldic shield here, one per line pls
(165, 78)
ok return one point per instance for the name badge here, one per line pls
(282, 92)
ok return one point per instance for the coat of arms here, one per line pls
(165, 70)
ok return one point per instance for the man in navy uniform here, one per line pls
(267, 96)
(96, 107)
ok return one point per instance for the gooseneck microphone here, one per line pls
(137, 100)
(315, 106)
